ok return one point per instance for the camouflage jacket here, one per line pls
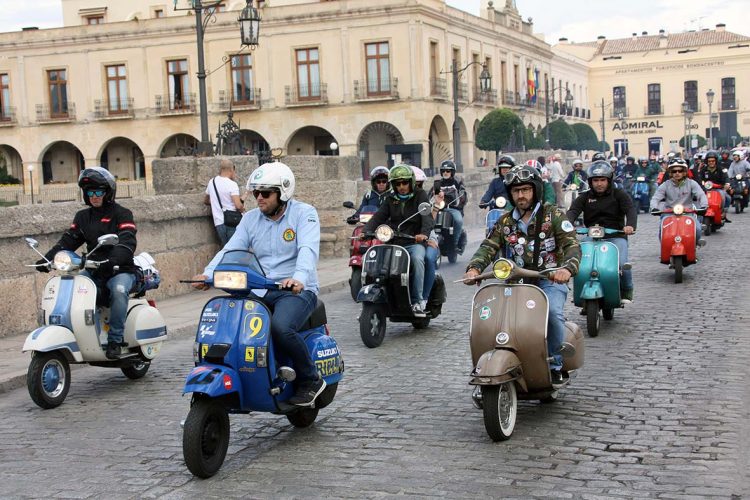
(559, 245)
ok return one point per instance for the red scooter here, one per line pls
(713, 219)
(358, 247)
(678, 243)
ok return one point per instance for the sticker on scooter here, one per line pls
(604, 248)
(254, 324)
(372, 254)
(530, 304)
(398, 253)
(508, 292)
(502, 338)
(687, 222)
(249, 305)
(250, 354)
(484, 313)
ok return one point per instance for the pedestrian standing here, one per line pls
(556, 177)
(223, 195)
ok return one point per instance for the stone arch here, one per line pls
(178, 145)
(61, 161)
(310, 140)
(11, 160)
(123, 157)
(439, 142)
(372, 142)
(253, 143)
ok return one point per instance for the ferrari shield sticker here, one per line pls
(485, 313)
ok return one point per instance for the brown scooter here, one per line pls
(508, 335)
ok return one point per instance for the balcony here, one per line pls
(114, 110)
(7, 116)
(695, 106)
(438, 88)
(654, 109)
(485, 98)
(616, 112)
(251, 101)
(463, 92)
(510, 98)
(45, 114)
(729, 105)
(313, 95)
(371, 91)
(169, 104)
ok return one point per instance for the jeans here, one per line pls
(224, 233)
(556, 295)
(622, 250)
(698, 227)
(430, 264)
(417, 270)
(458, 224)
(290, 312)
(119, 287)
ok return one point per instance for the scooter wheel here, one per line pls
(500, 405)
(452, 256)
(592, 317)
(372, 324)
(48, 379)
(205, 437)
(136, 370)
(677, 264)
(304, 417)
(355, 283)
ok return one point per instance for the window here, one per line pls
(619, 102)
(654, 99)
(117, 89)
(242, 79)
(691, 94)
(378, 68)
(222, 7)
(95, 20)
(434, 88)
(308, 74)
(178, 84)
(58, 92)
(621, 145)
(727, 94)
(159, 13)
(4, 97)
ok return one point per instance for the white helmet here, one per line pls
(419, 175)
(613, 158)
(274, 175)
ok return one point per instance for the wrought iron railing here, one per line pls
(376, 89)
(170, 104)
(306, 94)
(64, 113)
(250, 99)
(118, 108)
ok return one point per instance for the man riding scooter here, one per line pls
(712, 173)
(103, 216)
(454, 188)
(400, 203)
(679, 190)
(607, 206)
(536, 236)
(497, 186)
(374, 197)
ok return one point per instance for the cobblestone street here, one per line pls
(659, 410)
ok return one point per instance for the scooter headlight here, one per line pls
(709, 185)
(63, 261)
(500, 202)
(596, 232)
(640, 179)
(230, 280)
(384, 233)
(502, 269)
(678, 209)
(738, 177)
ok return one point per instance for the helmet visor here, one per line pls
(519, 175)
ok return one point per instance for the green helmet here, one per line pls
(402, 172)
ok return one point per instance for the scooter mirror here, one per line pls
(425, 208)
(31, 242)
(348, 204)
(108, 240)
(286, 374)
(567, 350)
(500, 202)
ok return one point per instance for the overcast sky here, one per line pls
(578, 20)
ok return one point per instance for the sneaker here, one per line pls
(423, 303)
(418, 311)
(557, 379)
(626, 296)
(701, 242)
(113, 350)
(307, 392)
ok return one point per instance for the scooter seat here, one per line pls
(317, 318)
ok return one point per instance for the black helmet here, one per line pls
(448, 166)
(524, 174)
(598, 156)
(712, 154)
(630, 158)
(601, 169)
(506, 161)
(97, 178)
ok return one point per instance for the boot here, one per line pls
(113, 350)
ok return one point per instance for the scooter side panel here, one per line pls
(145, 325)
(521, 311)
(325, 354)
(603, 257)
(53, 338)
(212, 380)
(84, 298)
(715, 205)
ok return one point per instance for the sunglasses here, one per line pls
(98, 193)
(262, 194)
(401, 183)
(521, 175)
(381, 181)
(678, 170)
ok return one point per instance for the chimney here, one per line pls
(721, 27)
(635, 36)
(563, 40)
(645, 33)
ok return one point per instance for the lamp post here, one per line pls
(688, 112)
(621, 117)
(485, 84)
(710, 98)
(30, 168)
(334, 148)
(568, 103)
(714, 121)
(249, 28)
(601, 123)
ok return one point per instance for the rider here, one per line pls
(576, 176)
(497, 186)
(536, 236)
(739, 165)
(724, 159)
(718, 178)
(374, 197)
(454, 189)
(548, 191)
(607, 206)
(284, 234)
(401, 203)
(432, 250)
(679, 190)
(103, 216)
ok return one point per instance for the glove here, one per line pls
(352, 219)
(42, 266)
(106, 268)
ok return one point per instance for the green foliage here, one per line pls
(495, 129)
(586, 137)
(4, 177)
(701, 141)
(561, 135)
(533, 140)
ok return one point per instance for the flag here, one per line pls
(531, 86)
(536, 83)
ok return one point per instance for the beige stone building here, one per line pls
(638, 85)
(116, 86)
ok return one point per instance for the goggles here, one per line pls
(520, 175)
(97, 193)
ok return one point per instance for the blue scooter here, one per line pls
(640, 193)
(237, 368)
(597, 284)
(497, 207)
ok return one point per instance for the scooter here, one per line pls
(508, 338)
(444, 227)
(597, 284)
(713, 219)
(739, 193)
(678, 245)
(358, 246)
(640, 193)
(501, 206)
(385, 291)
(74, 327)
(237, 368)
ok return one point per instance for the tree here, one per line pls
(4, 177)
(561, 135)
(496, 129)
(586, 137)
(701, 141)
(533, 140)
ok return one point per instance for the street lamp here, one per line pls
(714, 121)
(568, 104)
(710, 98)
(621, 117)
(688, 114)
(485, 85)
(249, 30)
(334, 148)
(601, 122)
(30, 168)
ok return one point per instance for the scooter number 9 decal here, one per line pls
(328, 366)
(255, 325)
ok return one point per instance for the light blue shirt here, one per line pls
(286, 248)
(523, 226)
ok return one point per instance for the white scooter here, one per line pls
(75, 329)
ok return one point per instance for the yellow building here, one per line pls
(639, 87)
(116, 85)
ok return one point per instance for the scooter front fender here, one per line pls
(497, 366)
(215, 381)
(592, 290)
(53, 338)
(372, 293)
(678, 249)
(355, 261)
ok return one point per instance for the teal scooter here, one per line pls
(597, 284)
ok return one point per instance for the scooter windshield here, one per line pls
(244, 258)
